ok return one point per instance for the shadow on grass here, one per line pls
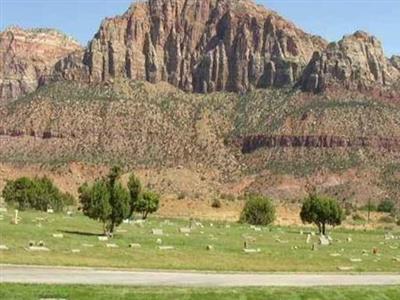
(80, 233)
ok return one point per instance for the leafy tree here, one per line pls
(135, 192)
(106, 200)
(321, 211)
(36, 193)
(148, 204)
(258, 210)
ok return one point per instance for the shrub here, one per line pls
(36, 193)
(398, 222)
(386, 206)
(358, 217)
(258, 210)
(228, 197)
(386, 219)
(216, 203)
(181, 196)
(148, 204)
(321, 211)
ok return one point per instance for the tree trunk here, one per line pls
(323, 229)
(319, 228)
(144, 216)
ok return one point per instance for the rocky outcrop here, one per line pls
(27, 57)
(197, 46)
(253, 143)
(355, 62)
(395, 61)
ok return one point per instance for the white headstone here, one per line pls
(3, 247)
(184, 230)
(58, 235)
(166, 248)
(134, 245)
(75, 250)
(323, 241)
(102, 238)
(157, 232)
(111, 245)
(308, 240)
(250, 251)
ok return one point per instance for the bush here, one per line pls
(228, 197)
(216, 203)
(386, 219)
(258, 211)
(398, 222)
(386, 206)
(358, 217)
(181, 196)
(37, 193)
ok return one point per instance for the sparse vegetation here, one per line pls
(258, 210)
(387, 206)
(216, 203)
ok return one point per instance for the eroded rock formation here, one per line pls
(355, 62)
(27, 57)
(197, 46)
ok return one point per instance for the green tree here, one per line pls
(148, 204)
(321, 211)
(36, 193)
(106, 200)
(135, 192)
(258, 210)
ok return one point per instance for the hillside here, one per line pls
(213, 97)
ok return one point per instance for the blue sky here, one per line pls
(328, 18)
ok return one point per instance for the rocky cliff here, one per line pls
(355, 62)
(197, 46)
(27, 56)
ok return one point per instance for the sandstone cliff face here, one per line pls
(197, 46)
(27, 56)
(355, 62)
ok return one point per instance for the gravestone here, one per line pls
(210, 247)
(111, 245)
(349, 239)
(38, 248)
(323, 241)
(3, 247)
(250, 251)
(157, 232)
(75, 250)
(166, 248)
(102, 238)
(134, 245)
(355, 260)
(185, 230)
(308, 240)
(335, 254)
(159, 241)
(58, 235)
(50, 211)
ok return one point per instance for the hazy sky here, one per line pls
(328, 18)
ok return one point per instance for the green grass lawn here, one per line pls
(25, 292)
(282, 249)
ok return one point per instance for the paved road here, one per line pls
(55, 275)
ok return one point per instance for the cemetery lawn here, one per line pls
(282, 249)
(25, 292)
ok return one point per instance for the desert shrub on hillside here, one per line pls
(387, 219)
(216, 203)
(258, 210)
(35, 193)
(387, 206)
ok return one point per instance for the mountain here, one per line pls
(224, 95)
(198, 46)
(27, 57)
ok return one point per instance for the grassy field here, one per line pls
(25, 292)
(281, 248)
